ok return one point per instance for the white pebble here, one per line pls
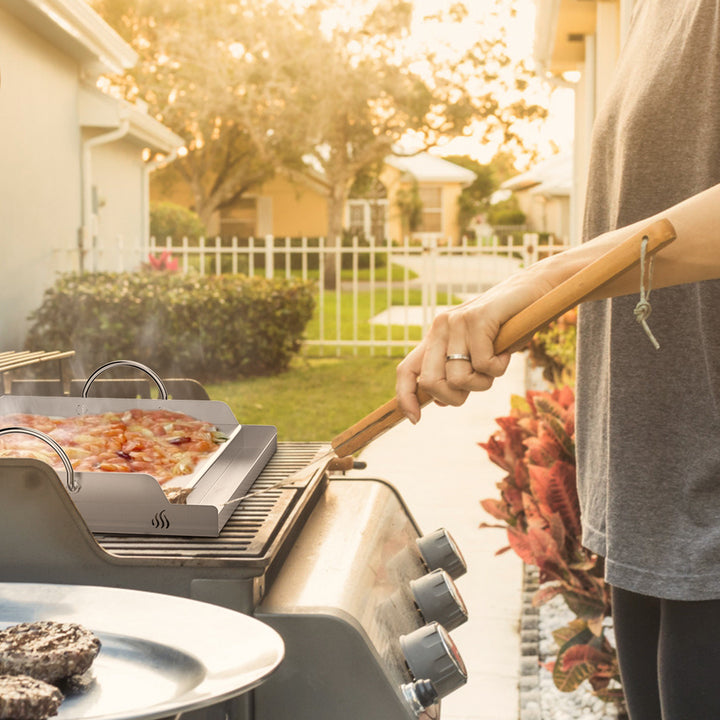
(580, 704)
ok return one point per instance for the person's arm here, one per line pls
(470, 328)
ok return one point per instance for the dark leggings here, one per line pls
(669, 654)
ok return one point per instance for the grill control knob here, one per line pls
(439, 550)
(431, 655)
(438, 599)
(420, 694)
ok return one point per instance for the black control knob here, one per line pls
(439, 550)
(438, 599)
(420, 694)
(431, 655)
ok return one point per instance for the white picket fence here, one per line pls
(385, 298)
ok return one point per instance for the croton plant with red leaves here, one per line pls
(165, 262)
(539, 509)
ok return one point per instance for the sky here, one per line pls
(555, 133)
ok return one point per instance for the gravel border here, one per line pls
(539, 698)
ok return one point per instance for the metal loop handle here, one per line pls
(132, 363)
(72, 484)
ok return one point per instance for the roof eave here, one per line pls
(546, 23)
(99, 110)
(74, 27)
(152, 133)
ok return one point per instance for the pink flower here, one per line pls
(164, 262)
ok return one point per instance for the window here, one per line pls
(377, 219)
(356, 223)
(431, 198)
(366, 218)
(240, 220)
(367, 209)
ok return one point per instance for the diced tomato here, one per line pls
(161, 443)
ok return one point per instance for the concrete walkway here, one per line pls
(443, 474)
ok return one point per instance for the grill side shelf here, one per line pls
(257, 529)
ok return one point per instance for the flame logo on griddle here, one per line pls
(160, 521)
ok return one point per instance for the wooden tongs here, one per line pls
(513, 335)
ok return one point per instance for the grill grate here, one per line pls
(253, 528)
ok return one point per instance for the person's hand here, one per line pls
(455, 358)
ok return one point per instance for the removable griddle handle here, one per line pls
(163, 394)
(521, 327)
(71, 481)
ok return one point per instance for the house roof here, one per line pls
(551, 177)
(99, 110)
(560, 30)
(425, 167)
(74, 27)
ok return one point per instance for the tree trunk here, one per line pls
(206, 209)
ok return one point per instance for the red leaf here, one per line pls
(533, 515)
(584, 654)
(520, 544)
(555, 488)
(557, 529)
(554, 432)
(164, 262)
(546, 551)
(542, 450)
(513, 498)
(496, 508)
(546, 593)
(566, 397)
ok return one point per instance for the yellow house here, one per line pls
(294, 204)
(543, 193)
(439, 184)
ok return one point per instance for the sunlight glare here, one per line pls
(514, 20)
(236, 49)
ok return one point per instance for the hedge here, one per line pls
(168, 219)
(207, 328)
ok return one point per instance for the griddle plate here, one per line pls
(256, 527)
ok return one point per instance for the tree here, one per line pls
(371, 85)
(223, 76)
(475, 199)
(253, 85)
(410, 205)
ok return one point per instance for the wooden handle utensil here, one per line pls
(513, 334)
(521, 327)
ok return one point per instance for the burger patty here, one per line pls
(26, 698)
(47, 650)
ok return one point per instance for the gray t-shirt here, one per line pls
(648, 425)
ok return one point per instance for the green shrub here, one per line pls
(208, 328)
(171, 220)
(553, 349)
(506, 212)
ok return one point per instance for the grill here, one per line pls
(337, 566)
(255, 532)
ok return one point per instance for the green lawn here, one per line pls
(360, 310)
(316, 399)
(213, 264)
(320, 396)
